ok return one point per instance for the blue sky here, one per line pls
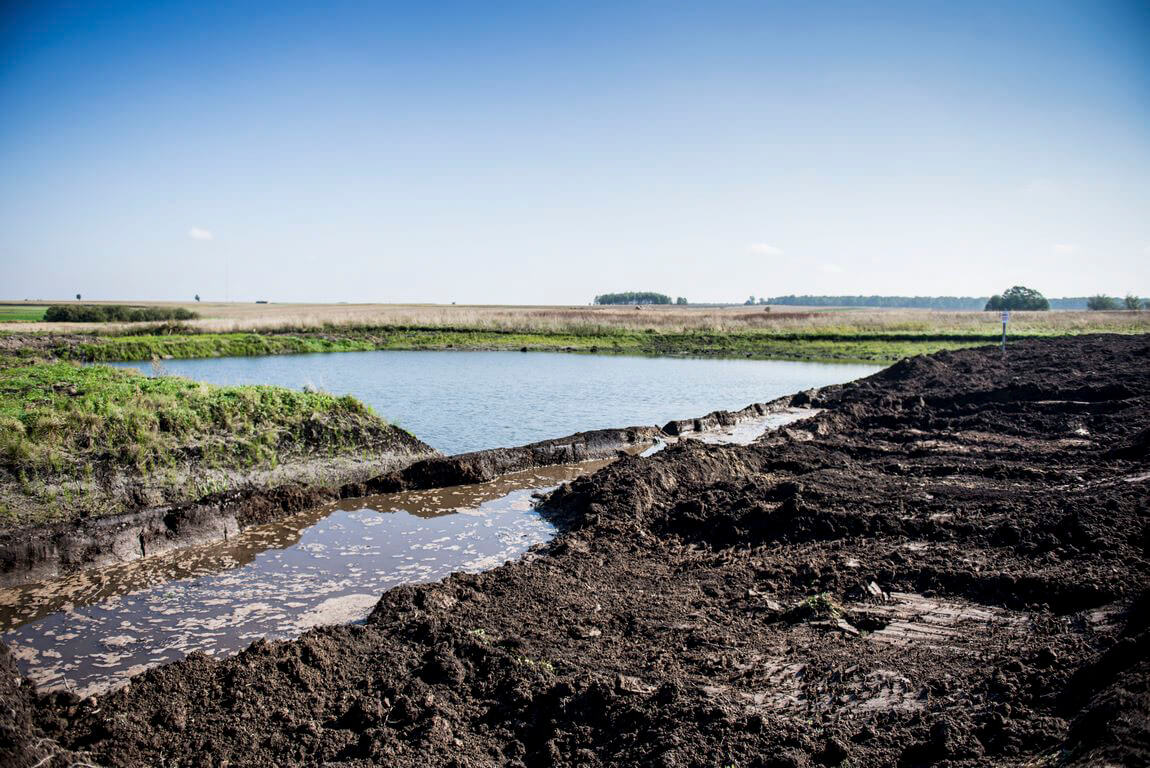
(531, 153)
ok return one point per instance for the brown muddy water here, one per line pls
(93, 630)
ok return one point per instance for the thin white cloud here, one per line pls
(830, 269)
(1065, 249)
(765, 249)
(197, 233)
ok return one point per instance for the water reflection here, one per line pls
(466, 401)
(94, 629)
(324, 566)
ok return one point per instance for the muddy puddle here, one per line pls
(743, 432)
(747, 431)
(95, 629)
(324, 566)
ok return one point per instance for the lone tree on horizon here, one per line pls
(77, 297)
(1019, 297)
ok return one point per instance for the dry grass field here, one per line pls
(231, 317)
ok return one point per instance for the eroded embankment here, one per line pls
(49, 551)
(100, 463)
(947, 565)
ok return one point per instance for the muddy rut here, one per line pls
(948, 565)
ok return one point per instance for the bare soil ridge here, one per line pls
(949, 565)
(48, 551)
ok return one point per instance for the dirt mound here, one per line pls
(947, 566)
(47, 551)
(16, 714)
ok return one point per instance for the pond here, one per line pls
(92, 630)
(460, 401)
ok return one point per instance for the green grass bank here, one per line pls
(823, 346)
(79, 441)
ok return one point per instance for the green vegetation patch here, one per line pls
(829, 345)
(184, 346)
(113, 313)
(16, 313)
(63, 422)
(848, 339)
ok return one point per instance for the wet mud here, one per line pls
(62, 549)
(52, 551)
(948, 565)
(89, 633)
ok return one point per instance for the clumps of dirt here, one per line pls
(1138, 447)
(1112, 727)
(407, 463)
(947, 566)
(17, 708)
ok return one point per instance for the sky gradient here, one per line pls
(516, 153)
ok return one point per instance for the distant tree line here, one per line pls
(636, 297)
(1016, 298)
(913, 302)
(1070, 302)
(907, 302)
(113, 313)
(1104, 302)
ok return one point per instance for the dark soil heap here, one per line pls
(948, 566)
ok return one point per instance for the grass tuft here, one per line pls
(62, 423)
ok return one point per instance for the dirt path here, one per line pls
(949, 565)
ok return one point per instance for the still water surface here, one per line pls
(93, 630)
(460, 401)
(328, 565)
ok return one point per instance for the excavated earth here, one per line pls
(947, 566)
(44, 552)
